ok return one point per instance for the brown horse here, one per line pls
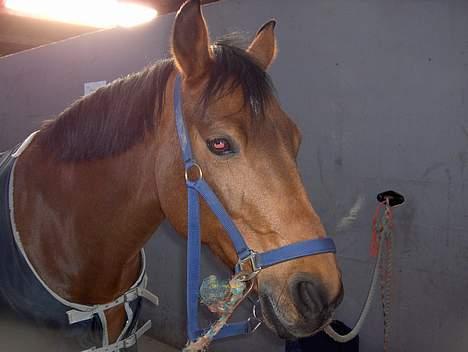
(95, 183)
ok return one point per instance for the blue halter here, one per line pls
(256, 260)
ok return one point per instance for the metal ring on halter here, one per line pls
(258, 321)
(192, 165)
(256, 324)
(254, 309)
(240, 277)
(244, 276)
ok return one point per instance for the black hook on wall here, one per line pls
(394, 198)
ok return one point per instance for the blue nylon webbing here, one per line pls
(200, 187)
(180, 125)
(194, 238)
(294, 251)
(215, 205)
(193, 260)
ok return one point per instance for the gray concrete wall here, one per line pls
(379, 90)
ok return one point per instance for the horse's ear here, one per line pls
(190, 41)
(263, 47)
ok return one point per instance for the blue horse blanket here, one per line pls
(22, 289)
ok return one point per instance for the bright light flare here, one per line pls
(94, 13)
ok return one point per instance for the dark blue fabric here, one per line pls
(321, 342)
(20, 289)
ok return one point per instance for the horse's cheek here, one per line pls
(171, 191)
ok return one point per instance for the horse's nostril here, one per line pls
(310, 301)
(306, 296)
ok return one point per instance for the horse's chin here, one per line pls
(281, 325)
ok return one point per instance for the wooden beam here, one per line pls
(30, 32)
(166, 6)
(11, 48)
(18, 33)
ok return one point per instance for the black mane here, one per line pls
(116, 117)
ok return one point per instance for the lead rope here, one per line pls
(386, 270)
(221, 299)
(382, 235)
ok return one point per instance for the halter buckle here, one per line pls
(244, 275)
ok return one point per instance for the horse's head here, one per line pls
(246, 146)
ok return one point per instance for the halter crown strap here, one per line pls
(181, 130)
(194, 237)
(199, 187)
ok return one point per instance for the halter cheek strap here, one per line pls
(258, 261)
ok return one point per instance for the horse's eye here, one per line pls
(220, 146)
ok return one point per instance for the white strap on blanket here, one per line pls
(75, 316)
(126, 343)
(24, 145)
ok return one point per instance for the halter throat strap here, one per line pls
(199, 187)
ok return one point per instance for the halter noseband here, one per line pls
(258, 261)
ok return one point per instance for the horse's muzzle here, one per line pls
(312, 303)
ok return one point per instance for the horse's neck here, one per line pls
(83, 224)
